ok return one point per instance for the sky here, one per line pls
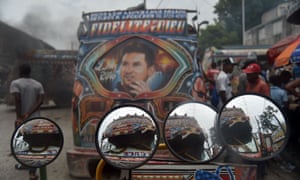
(56, 21)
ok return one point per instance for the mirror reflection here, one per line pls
(37, 142)
(190, 133)
(253, 126)
(127, 137)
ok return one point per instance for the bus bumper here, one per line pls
(82, 163)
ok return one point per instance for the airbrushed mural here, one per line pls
(145, 58)
(137, 67)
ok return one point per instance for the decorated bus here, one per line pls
(140, 108)
(146, 58)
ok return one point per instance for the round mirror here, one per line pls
(190, 133)
(37, 142)
(127, 137)
(253, 126)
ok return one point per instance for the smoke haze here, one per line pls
(61, 33)
(56, 22)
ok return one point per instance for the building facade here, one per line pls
(274, 26)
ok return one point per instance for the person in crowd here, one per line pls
(251, 58)
(278, 94)
(198, 89)
(223, 83)
(280, 97)
(293, 88)
(28, 96)
(212, 74)
(255, 84)
(285, 77)
(296, 70)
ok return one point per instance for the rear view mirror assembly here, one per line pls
(253, 127)
(37, 142)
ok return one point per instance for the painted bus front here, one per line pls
(146, 58)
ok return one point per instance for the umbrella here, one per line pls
(284, 57)
(279, 46)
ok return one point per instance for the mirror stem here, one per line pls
(43, 173)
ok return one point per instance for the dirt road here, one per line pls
(57, 170)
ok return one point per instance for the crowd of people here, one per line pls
(280, 84)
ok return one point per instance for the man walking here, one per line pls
(28, 96)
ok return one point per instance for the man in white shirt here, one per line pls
(223, 83)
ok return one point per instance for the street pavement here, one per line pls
(58, 170)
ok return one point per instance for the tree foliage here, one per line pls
(267, 117)
(216, 35)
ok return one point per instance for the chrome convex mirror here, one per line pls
(37, 142)
(190, 133)
(253, 126)
(127, 137)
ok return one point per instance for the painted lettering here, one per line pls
(137, 26)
